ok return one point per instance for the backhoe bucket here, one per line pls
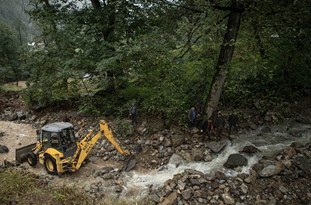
(21, 153)
(129, 163)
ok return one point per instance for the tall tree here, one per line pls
(9, 51)
(225, 55)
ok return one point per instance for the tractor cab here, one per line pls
(60, 136)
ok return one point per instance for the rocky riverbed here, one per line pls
(266, 162)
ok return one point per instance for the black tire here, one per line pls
(50, 164)
(32, 159)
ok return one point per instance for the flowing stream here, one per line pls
(268, 142)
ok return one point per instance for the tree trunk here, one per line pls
(224, 58)
(109, 31)
(262, 50)
(95, 4)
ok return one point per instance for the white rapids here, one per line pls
(268, 143)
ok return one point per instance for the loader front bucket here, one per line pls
(129, 163)
(21, 153)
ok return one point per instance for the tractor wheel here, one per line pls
(50, 164)
(32, 159)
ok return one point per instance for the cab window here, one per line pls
(55, 140)
(45, 139)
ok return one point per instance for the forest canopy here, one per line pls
(164, 55)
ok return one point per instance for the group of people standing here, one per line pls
(215, 125)
(196, 118)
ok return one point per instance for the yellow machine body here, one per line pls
(56, 159)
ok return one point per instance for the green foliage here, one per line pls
(163, 55)
(273, 67)
(9, 47)
(88, 108)
(9, 188)
(25, 188)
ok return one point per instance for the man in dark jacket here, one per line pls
(219, 124)
(133, 115)
(233, 122)
(192, 115)
(204, 129)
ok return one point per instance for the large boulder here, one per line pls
(176, 160)
(271, 169)
(250, 149)
(216, 147)
(171, 199)
(235, 160)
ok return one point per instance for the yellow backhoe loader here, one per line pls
(59, 152)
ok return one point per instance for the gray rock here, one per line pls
(197, 154)
(235, 160)
(250, 149)
(87, 188)
(186, 194)
(4, 149)
(200, 194)
(227, 198)
(272, 201)
(168, 143)
(137, 148)
(104, 170)
(181, 185)
(216, 147)
(283, 189)
(169, 186)
(220, 175)
(155, 197)
(244, 188)
(289, 152)
(208, 158)
(266, 129)
(21, 115)
(171, 199)
(109, 176)
(176, 160)
(272, 169)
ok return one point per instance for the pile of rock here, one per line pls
(284, 179)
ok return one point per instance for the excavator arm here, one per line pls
(108, 134)
(88, 142)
